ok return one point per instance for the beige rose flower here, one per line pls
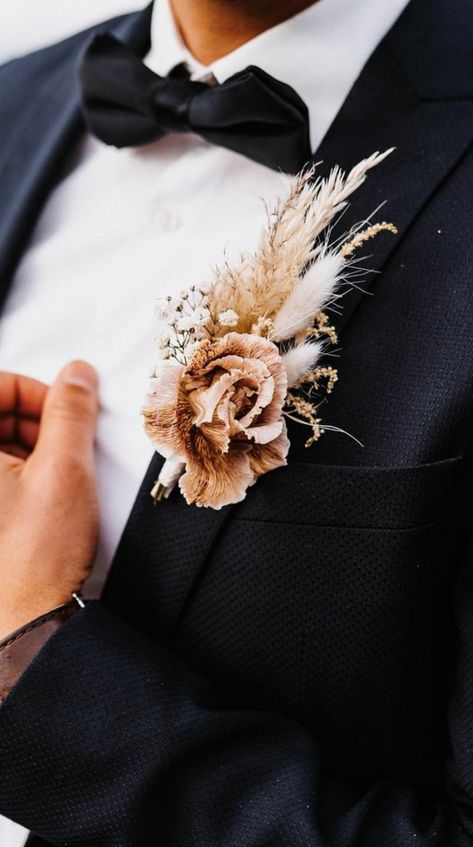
(221, 416)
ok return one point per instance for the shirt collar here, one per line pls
(319, 52)
(167, 47)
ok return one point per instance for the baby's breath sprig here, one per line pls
(184, 321)
(187, 320)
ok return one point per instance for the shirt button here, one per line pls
(166, 220)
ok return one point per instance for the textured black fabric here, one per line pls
(298, 669)
(127, 104)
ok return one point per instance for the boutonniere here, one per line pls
(241, 355)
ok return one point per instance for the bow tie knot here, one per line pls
(170, 103)
(127, 104)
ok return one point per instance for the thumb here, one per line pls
(69, 417)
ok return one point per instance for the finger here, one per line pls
(27, 432)
(19, 430)
(21, 396)
(68, 423)
(10, 460)
(11, 449)
(7, 428)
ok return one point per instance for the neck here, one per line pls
(213, 28)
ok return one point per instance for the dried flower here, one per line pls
(360, 238)
(222, 416)
(186, 323)
(228, 318)
(219, 398)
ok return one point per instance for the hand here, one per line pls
(49, 517)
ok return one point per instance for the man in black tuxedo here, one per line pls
(298, 669)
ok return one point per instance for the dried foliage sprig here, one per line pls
(239, 356)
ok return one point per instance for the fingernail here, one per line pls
(80, 374)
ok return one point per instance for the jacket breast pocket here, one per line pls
(345, 496)
(324, 593)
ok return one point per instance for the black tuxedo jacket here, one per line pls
(296, 670)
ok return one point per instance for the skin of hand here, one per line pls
(49, 515)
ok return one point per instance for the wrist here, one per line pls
(22, 611)
(20, 647)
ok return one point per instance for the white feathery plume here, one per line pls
(300, 360)
(310, 294)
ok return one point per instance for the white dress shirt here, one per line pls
(127, 226)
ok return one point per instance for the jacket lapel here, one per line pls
(36, 148)
(397, 101)
(402, 100)
(159, 559)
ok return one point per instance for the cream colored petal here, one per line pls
(160, 411)
(266, 433)
(265, 396)
(164, 386)
(221, 483)
(217, 435)
(239, 366)
(204, 401)
(272, 412)
(268, 457)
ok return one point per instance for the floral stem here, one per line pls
(172, 469)
(158, 492)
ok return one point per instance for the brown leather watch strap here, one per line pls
(19, 649)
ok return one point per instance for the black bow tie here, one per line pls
(126, 104)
